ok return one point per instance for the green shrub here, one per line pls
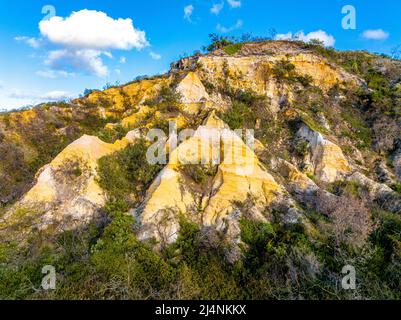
(168, 100)
(161, 124)
(199, 173)
(359, 130)
(111, 135)
(218, 42)
(247, 107)
(301, 147)
(396, 187)
(238, 116)
(233, 48)
(127, 171)
(345, 187)
(284, 70)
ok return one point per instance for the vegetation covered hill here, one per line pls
(323, 191)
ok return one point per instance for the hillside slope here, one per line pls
(317, 188)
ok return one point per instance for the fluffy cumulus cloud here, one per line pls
(216, 8)
(328, 40)
(95, 30)
(188, 10)
(83, 39)
(223, 29)
(87, 60)
(234, 3)
(378, 34)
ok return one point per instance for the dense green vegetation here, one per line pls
(198, 173)
(247, 107)
(126, 173)
(278, 263)
(285, 71)
(168, 100)
(233, 48)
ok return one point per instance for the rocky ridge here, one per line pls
(66, 191)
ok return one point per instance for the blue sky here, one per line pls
(64, 55)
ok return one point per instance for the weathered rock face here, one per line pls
(213, 177)
(192, 89)
(254, 72)
(66, 189)
(120, 98)
(297, 183)
(240, 177)
(328, 161)
(383, 174)
(376, 192)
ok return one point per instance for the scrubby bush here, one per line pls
(199, 173)
(127, 171)
(247, 107)
(351, 219)
(112, 134)
(218, 42)
(301, 147)
(396, 187)
(168, 100)
(233, 49)
(284, 70)
(239, 115)
(358, 130)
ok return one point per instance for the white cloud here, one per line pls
(321, 35)
(285, 36)
(123, 60)
(223, 29)
(1, 84)
(216, 8)
(84, 37)
(188, 10)
(108, 54)
(56, 96)
(117, 71)
(155, 56)
(234, 3)
(378, 34)
(90, 29)
(53, 74)
(37, 98)
(32, 42)
(87, 60)
(80, 40)
(18, 98)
